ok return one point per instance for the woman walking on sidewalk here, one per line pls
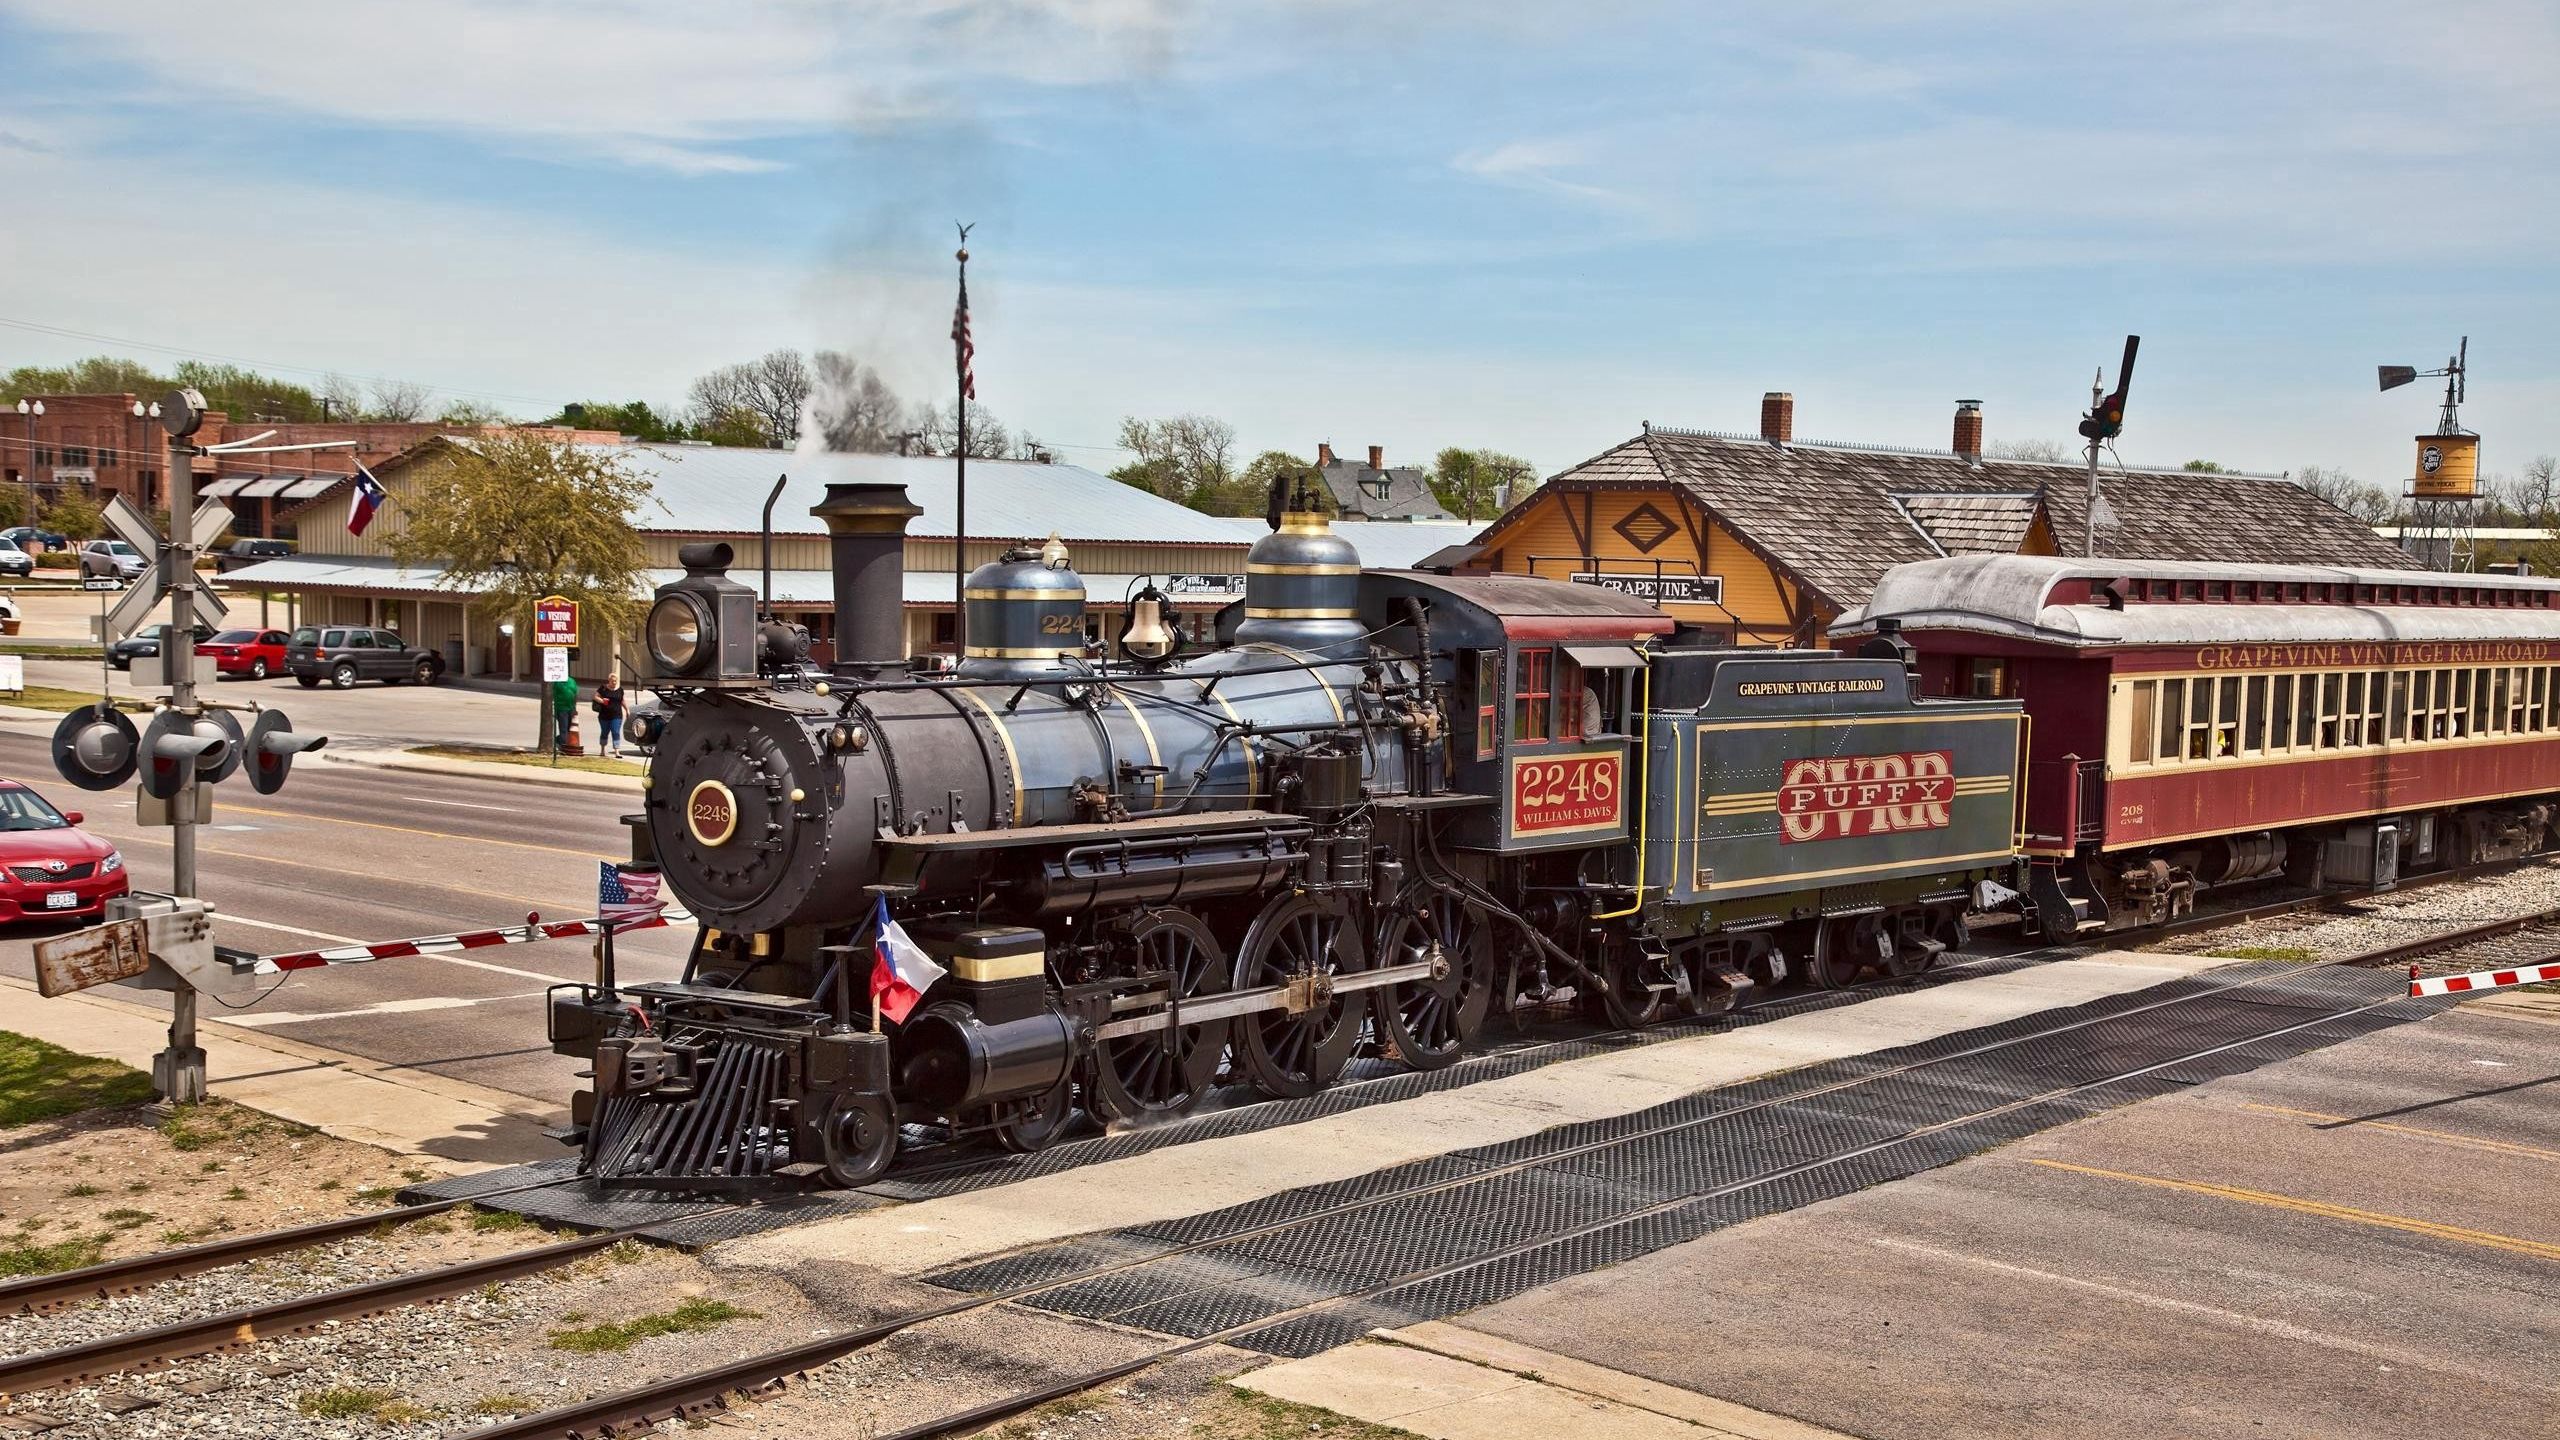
(609, 717)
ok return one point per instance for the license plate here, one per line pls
(61, 900)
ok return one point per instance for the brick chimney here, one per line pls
(1777, 417)
(1969, 429)
(1377, 457)
(1324, 454)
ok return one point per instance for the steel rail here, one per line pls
(183, 1339)
(122, 1277)
(684, 1396)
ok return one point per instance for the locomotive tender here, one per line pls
(1385, 806)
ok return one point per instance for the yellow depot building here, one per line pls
(1763, 539)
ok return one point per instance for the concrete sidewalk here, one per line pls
(409, 1112)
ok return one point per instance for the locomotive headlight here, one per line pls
(679, 632)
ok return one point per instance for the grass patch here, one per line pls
(2292, 953)
(1264, 1418)
(497, 1220)
(614, 1335)
(593, 764)
(51, 697)
(71, 1254)
(40, 1081)
(35, 651)
(235, 1193)
(353, 1402)
(82, 1191)
(126, 1219)
(505, 1405)
(627, 1252)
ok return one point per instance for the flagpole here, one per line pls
(960, 508)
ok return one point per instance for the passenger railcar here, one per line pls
(2196, 724)
(1386, 807)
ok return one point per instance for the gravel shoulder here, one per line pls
(2381, 920)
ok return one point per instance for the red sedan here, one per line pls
(49, 867)
(254, 653)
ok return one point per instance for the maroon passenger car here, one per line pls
(2193, 724)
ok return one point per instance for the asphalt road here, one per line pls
(349, 853)
(371, 712)
(2357, 1243)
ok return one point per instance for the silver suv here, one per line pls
(111, 560)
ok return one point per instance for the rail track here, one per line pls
(755, 1377)
(2509, 940)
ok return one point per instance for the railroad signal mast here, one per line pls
(2444, 490)
(2104, 422)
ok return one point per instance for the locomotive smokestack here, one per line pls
(867, 541)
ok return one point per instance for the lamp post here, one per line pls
(30, 409)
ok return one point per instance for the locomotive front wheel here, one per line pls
(861, 1138)
(1158, 1075)
(1845, 945)
(1429, 1023)
(1300, 939)
(1039, 1120)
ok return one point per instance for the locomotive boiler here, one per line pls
(1383, 807)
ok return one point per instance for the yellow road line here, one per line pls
(2503, 1147)
(229, 808)
(2536, 1249)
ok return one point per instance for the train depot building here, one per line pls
(1114, 533)
(1764, 539)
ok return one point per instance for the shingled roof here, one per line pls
(1836, 517)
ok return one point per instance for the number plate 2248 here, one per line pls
(1567, 792)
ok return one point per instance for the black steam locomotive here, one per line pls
(1384, 805)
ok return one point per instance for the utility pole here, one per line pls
(181, 1069)
(2103, 423)
(2089, 516)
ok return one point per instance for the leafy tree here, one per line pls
(247, 395)
(1479, 484)
(736, 426)
(400, 401)
(2207, 466)
(632, 417)
(472, 415)
(519, 515)
(73, 516)
(1189, 459)
(97, 375)
(13, 507)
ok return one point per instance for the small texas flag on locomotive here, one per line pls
(903, 973)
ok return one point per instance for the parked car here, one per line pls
(14, 561)
(254, 653)
(345, 654)
(31, 539)
(249, 552)
(144, 643)
(111, 560)
(49, 866)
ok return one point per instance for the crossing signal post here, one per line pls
(188, 745)
(2104, 422)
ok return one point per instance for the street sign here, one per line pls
(100, 583)
(555, 621)
(13, 672)
(555, 664)
(99, 955)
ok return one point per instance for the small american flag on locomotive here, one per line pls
(624, 897)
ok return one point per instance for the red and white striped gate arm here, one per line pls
(2480, 980)
(534, 928)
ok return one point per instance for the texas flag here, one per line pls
(367, 499)
(903, 973)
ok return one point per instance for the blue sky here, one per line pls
(1410, 224)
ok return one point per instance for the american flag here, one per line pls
(968, 352)
(625, 898)
(367, 499)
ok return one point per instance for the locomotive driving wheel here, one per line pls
(1160, 1073)
(1304, 941)
(1037, 1120)
(1429, 1023)
(1623, 1001)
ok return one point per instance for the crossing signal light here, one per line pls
(96, 748)
(271, 748)
(176, 750)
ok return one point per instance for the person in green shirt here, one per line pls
(564, 711)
